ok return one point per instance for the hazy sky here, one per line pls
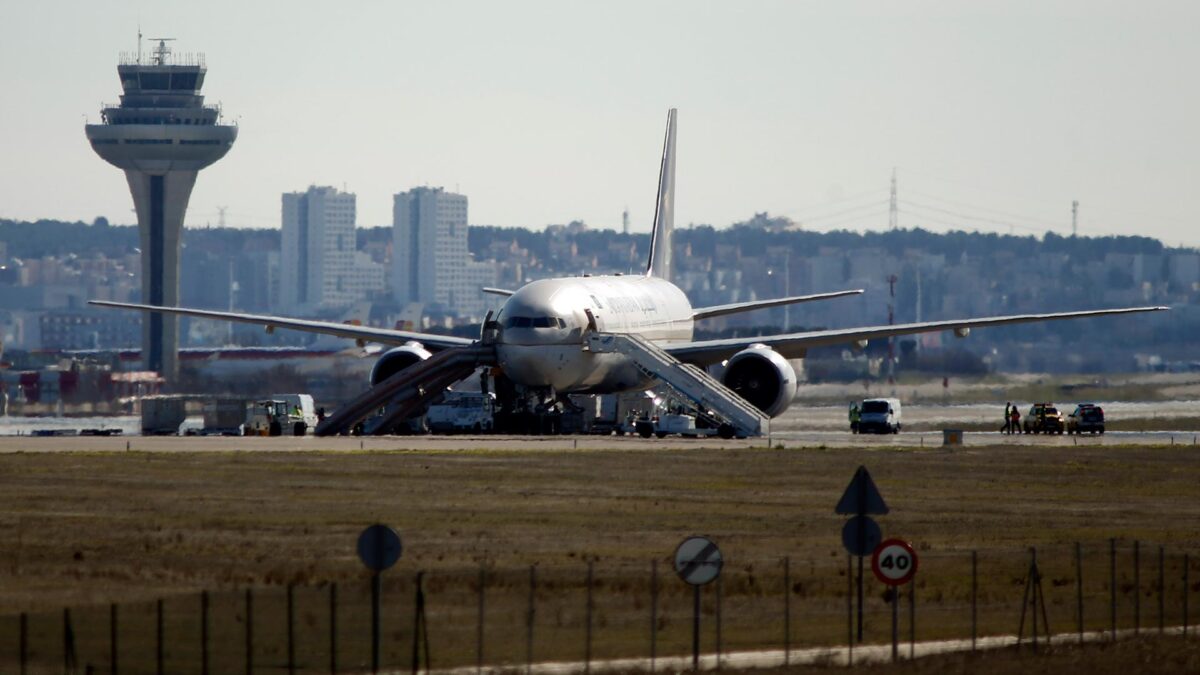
(545, 112)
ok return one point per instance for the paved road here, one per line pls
(776, 658)
(793, 439)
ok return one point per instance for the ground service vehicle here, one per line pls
(302, 413)
(1087, 417)
(1043, 418)
(461, 411)
(266, 418)
(880, 416)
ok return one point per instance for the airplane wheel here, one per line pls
(299, 429)
(645, 433)
(660, 434)
(725, 431)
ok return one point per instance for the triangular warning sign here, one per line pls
(861, 496)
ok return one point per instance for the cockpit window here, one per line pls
(536, 322)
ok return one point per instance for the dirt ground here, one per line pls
(103, 526)
(87, 528)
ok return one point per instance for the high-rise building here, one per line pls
(319, 268)
(430, 259)
(161, 134)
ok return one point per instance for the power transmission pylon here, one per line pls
(894, 209)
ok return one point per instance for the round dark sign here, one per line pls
(379, 547)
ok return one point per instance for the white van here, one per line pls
(459, 411)
(879, 416)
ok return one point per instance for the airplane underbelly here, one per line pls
(569, 369)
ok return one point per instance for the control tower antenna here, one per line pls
(138, 58)
(1075, 218)
(221, 215)
(160, 53)
(893, 210)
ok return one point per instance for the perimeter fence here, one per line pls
(496, 616)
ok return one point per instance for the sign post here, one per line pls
(894, 563)
(861, 534)
(698, 562)
(379, 548)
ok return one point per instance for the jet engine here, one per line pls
(397, 359)
(763, 377)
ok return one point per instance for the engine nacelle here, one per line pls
(397, 359)
(763, 377)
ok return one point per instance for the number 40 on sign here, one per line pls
(894, 562)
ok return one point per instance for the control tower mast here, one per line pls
(161, 134)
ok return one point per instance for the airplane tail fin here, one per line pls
(664, 209)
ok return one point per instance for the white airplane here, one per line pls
(542, 328)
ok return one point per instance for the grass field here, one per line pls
(84, 530)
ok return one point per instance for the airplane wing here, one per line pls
(738, 307)
(796, 345)
(345, 330)
(497, 291)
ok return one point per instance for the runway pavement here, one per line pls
(787, 439)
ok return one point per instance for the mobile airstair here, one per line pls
(406, 392)
(691, 382)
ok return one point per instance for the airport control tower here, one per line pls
(161, 135)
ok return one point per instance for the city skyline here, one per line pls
(996, 116)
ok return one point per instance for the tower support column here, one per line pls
(161, 201)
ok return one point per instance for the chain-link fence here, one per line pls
(596, 610)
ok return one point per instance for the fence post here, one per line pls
(70, 664)
(1162, 587)
(24, 641)
(718, 620)
(291, 630)
(159, 631)
(333, 645)
(249, 632)
(849, 610)
(587, 651)
(1185, 595)
(974, 599)
(787, 611)
(529, 619)
(204, 632)
(1137, 588)
(1079, 590)
(479, 625)
(912, 618)
(1112, 587)
(112, 639)
(653, 613)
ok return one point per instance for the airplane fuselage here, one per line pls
(540, 343)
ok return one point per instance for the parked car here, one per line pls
(1087, 417)
(1043, 418)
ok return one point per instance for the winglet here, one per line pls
(664, 210)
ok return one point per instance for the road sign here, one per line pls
(860, 535)
(894, 562)
(379, 547)
(861, 497)
(698, 560)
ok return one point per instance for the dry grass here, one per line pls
(86, 529)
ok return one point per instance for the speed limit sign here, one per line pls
(894, 562)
